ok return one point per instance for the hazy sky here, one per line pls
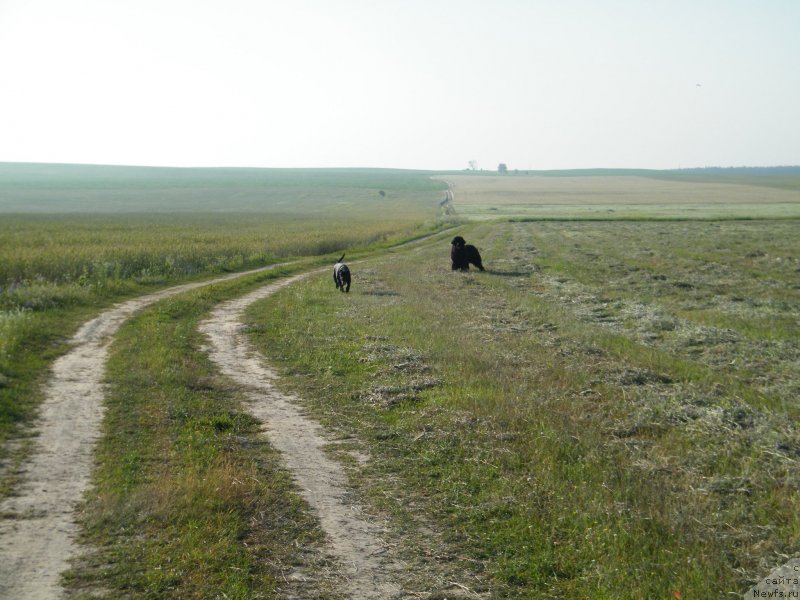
(401, 83)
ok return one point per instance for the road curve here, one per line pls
(38, 523)
(353, 541)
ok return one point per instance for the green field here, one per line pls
(74, 238)
(609, 411)
(60, 223)
(36, 188)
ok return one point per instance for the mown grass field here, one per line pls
(608, 412)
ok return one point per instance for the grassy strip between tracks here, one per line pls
(188, 499)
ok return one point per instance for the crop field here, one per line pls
(73, 238)
(621, 197)
(608, 411)
(64, 223)
(48, 189)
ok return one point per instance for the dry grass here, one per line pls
(615, 197)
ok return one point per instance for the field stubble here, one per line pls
(618, 197)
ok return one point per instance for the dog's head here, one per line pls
(458, 241)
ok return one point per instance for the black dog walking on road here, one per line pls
(341, 275)
(462, 254)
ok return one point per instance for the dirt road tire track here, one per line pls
(353, 541)
(38, 526)
(38, 523)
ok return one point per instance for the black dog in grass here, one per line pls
(341, 275)
(462, 254)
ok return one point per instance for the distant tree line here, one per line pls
(779, 170)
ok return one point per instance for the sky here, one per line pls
(411, 84)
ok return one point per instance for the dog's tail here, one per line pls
(341, 259)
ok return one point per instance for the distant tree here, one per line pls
(502, 168)
(473, 165)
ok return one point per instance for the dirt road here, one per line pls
(37, 524)
(353, 541)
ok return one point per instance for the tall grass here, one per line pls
(15, 326)
(92, 249)
(92, 225)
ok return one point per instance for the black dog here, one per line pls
(462, 254)
(341, 275)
